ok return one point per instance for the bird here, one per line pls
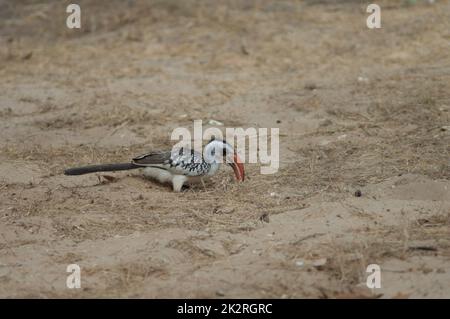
(178, 166)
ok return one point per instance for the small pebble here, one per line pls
(358, 193)
(214, 122)
(311, 86)
(220, 293)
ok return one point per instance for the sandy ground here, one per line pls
(357, 109)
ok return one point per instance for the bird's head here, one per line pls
(219, 151)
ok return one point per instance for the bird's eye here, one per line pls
(181, 152)
(213, 152)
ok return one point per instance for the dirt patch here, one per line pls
(360, 111)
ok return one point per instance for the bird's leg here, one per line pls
(177, 182)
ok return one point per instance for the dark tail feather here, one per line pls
(100, 168)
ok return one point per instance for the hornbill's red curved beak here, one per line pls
(238, 168)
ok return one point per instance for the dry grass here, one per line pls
(356, 110)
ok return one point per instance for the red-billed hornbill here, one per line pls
(178, 166)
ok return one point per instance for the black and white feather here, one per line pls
(179, 161)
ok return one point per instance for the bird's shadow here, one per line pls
(104, 179)
(184, 188)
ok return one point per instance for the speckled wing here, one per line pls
(153, 158)
(181, 161)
